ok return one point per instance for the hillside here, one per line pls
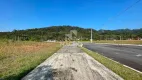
(58, 33)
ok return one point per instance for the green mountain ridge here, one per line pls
(58, 33)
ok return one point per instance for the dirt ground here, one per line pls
(71, 63)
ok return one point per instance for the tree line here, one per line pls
(58, 33)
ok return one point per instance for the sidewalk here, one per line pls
(71, 63)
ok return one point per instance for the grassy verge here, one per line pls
(124, 72)
(138, 42)
(18, 58)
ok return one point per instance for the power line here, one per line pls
(128, 8)
(122, 11)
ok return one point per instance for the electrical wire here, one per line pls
(122, 12)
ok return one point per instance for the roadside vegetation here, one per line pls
(83, 34)
(138, 42)
(19, 58)
(124, 72)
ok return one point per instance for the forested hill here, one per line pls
(58, 33)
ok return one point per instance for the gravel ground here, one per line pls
(71, 63)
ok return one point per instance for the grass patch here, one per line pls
(138, 42)
(124, 72)
(18, 58)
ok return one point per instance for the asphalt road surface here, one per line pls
(125, 54)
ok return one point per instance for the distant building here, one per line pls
(51, 41)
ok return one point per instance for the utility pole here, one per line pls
(120, 37)
(91, 36)
(81, 38)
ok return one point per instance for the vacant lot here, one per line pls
(18, 58)
(120, 41)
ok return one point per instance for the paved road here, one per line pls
(125, 54)
(71, 63)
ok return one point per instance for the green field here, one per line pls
(138, 42)
(18, 58)
(124, 72)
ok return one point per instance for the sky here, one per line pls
(27, 14)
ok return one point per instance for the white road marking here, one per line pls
(138, 55)
(116, 53)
